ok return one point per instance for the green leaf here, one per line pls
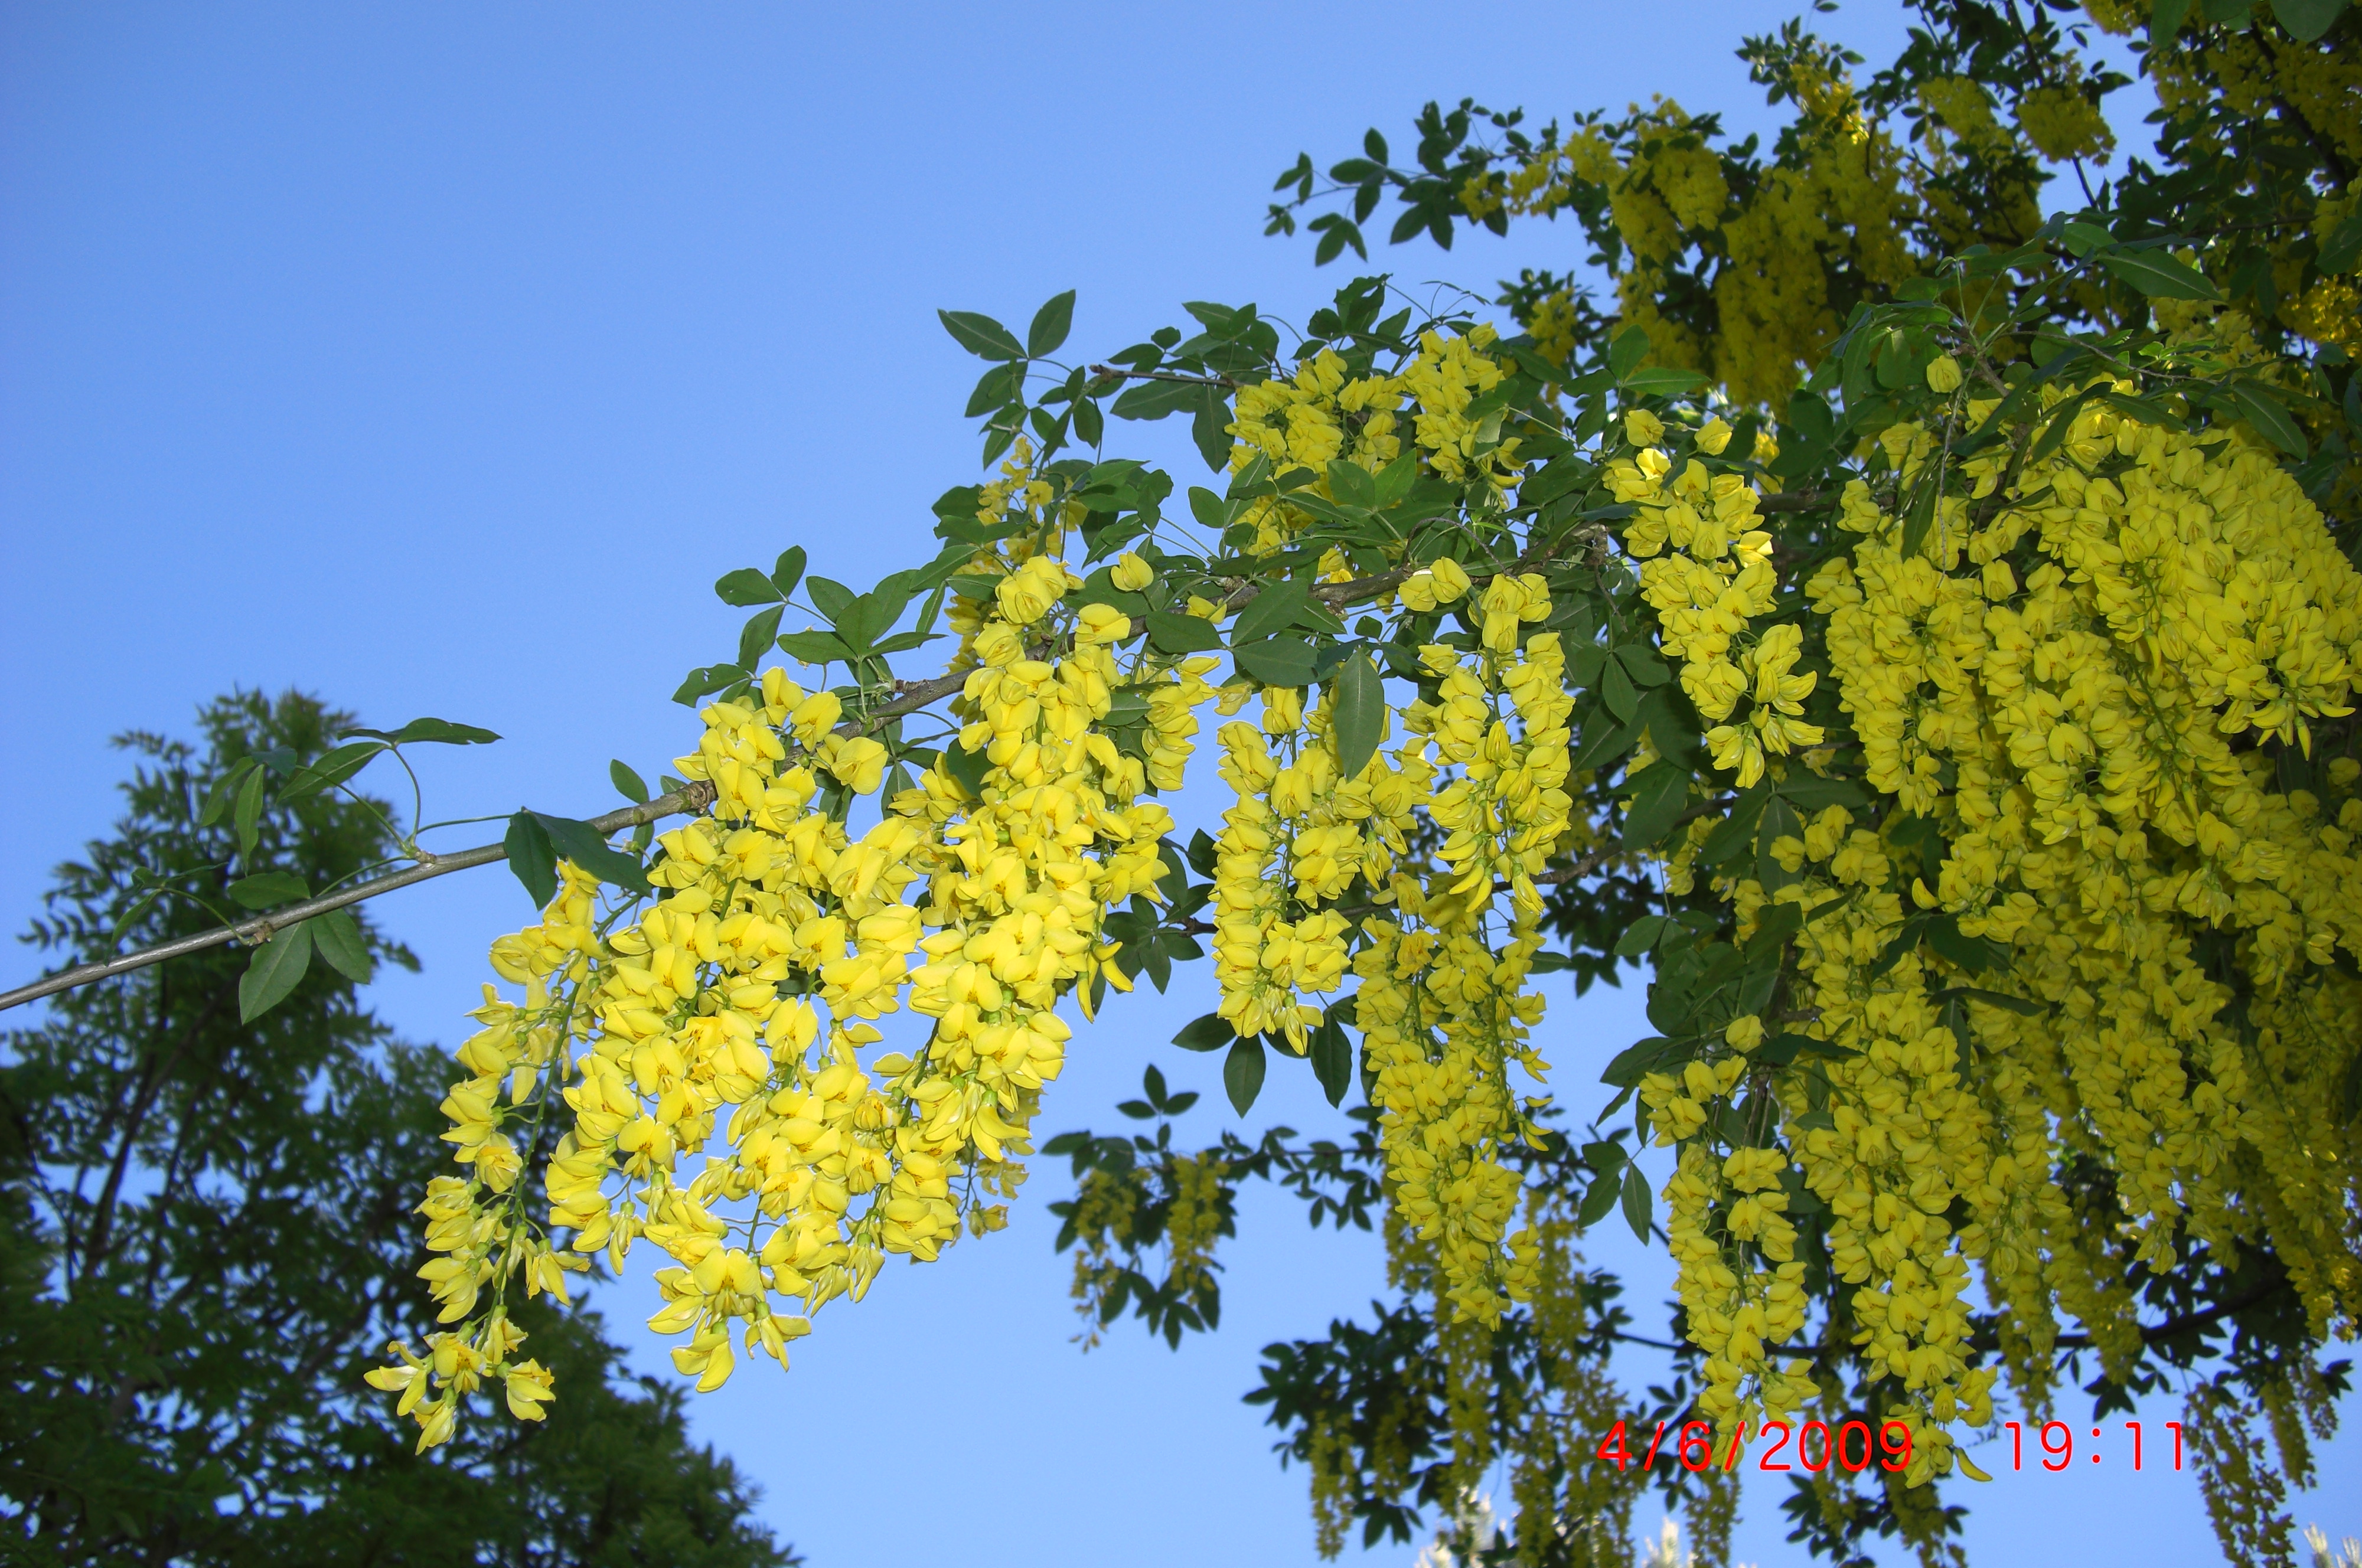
(755, 638)
(2159, 275)
(1279, 661)
(706, 679)
(1182, 634)
(1210, 1032)
(1659, 798)
(225, 789)
(747, 588)
(1634, 1062)
(1661, 380)
(627, 783)
(532, 857)
(1598, 1200)
(968, 768)
(1210, 428)
(2165, 18)
(1642, 663)
(2343, 249)
(1333, 1060)
(2082, 238)
(1616, 691)
(830, 597)
(583, 843)
(268, 889)
(277, 969)
(1781, 1049)
(997, 386)
(1270, 613)
(1919, 513)
(1640, 936)
(980, 334)
(1242, 1072)
(814, 647)
(1639, 1203)
(339, 937)
(1361, 713)
(441, 731)
(1352, 484)
(1051, 325)
(789, 569)
(1553, 481)
(1624, 356)
(249, 815)
(1153, 398)
(2264, 412)
(327, 772)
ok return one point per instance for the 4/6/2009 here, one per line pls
(1848, 1445)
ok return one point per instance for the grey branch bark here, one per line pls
(910, 696)
(259, 928)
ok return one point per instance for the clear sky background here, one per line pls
(438, 358)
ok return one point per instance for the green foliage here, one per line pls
(206, 1237)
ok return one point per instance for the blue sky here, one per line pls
(438, 359)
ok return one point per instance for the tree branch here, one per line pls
(909, 697)
(259, 930)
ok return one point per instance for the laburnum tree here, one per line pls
(1895, 583)
(205, 1238)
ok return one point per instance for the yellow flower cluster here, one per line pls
(751, 986)
(1442, 1001)
(2083, 743)
(1717, 578)
(1307, 421)
(1298, 837)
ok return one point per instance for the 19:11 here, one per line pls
(2063, 1450)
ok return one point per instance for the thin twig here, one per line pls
(1120, 372)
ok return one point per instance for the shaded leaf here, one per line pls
(276, 970)
(532, 857)
(268, 889)
(1333, 1060)
(1361, 713)
(339, 937)
(329, 771)
(2264, 412)
(583, 843)
(1242, 1072)
(442, 731)
(2159, 275)
(1661, 380)
(1209, 1032)
(2306, 20)
(1639, 1203)
(1658, 800)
